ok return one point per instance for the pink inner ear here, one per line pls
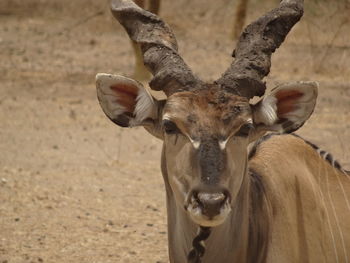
(287, 101)
(126, 96)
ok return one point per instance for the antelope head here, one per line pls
(206, 127)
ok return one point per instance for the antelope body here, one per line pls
(277, 201)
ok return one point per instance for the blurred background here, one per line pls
(76, 188)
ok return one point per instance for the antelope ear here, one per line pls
(125, 101)
(287, 107)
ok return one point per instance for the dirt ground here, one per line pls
(76, 188)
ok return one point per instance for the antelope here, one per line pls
(240, 186)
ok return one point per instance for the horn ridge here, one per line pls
(158, 46)
(254, 49)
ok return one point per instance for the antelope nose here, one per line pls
(211, 203)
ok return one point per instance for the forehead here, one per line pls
(207, 107)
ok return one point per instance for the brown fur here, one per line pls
(211, 109)
(309, 207)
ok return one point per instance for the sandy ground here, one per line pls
(76, 188)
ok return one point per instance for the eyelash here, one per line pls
(244, 130)
(170, 127)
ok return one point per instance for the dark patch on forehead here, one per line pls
(236, 109)
(217, 95)
(211, 160)
(222, 98)
(223, 106)
(232, 112)
(192, 118)
(205, 111)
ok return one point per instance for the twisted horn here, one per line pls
(254, 49)
(158, 46)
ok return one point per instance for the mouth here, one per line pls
(203, 214)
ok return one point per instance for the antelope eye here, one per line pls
(244, 130)
(170, 127)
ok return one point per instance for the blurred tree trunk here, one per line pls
(154, 6)
(140, 3)
(240, 14)
(140, 71)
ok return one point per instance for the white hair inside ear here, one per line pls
(144, 108)
(268, 111)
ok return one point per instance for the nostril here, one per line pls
(227, 196)
(195, 195)
(210, 203)
(211, 199)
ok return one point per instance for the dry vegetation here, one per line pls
(74, 187)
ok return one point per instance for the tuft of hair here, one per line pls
(198, 248)
(268, 113)
(144, 107)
